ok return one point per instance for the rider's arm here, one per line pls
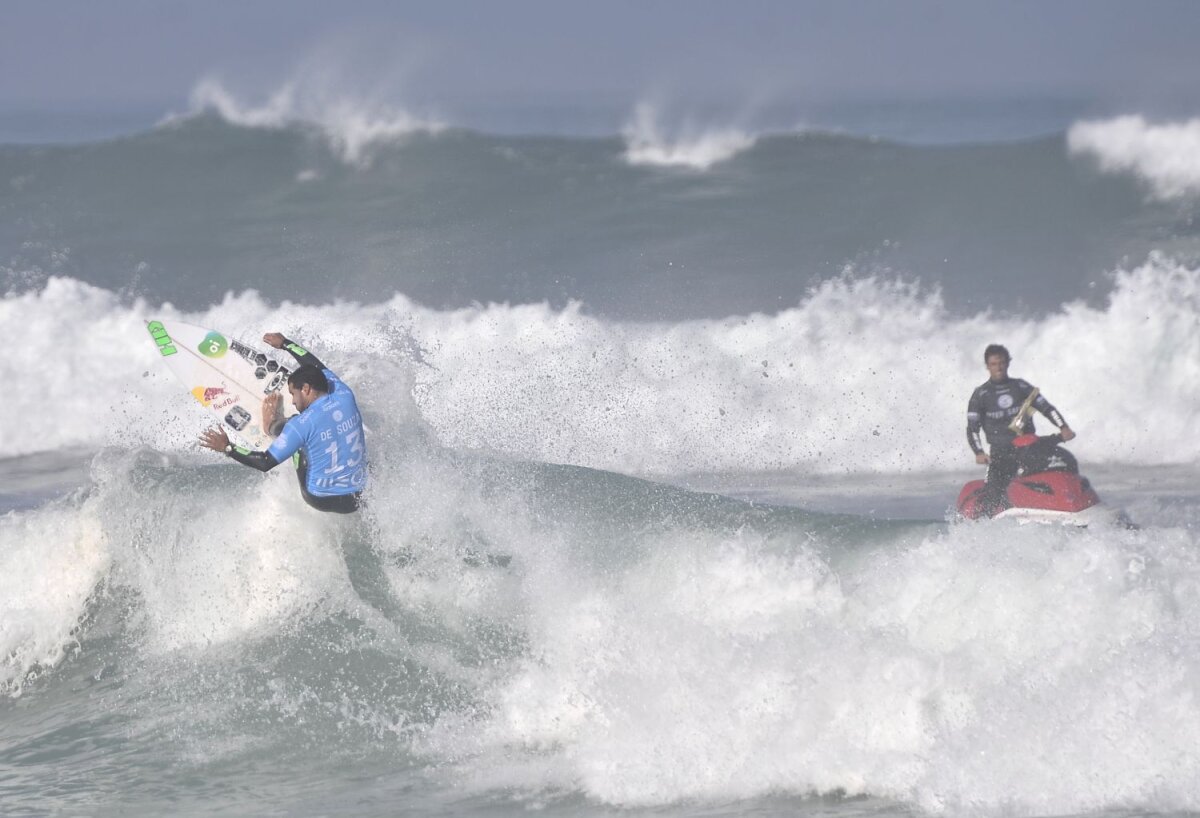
(1042, 405)
(975, 422)
(288, 441)
(217, 440)
(302, 355)
(255, 460)
(1055, 417)
(283, 447)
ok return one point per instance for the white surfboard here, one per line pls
(228, 377)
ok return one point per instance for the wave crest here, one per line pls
(646, 144)
(1166, 156)
(865, 375)
(351, 126)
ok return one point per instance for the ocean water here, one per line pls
(666, 427)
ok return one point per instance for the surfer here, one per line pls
(1001, 408)
(325, 439)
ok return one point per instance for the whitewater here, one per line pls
(659, 517)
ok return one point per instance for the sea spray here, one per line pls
(863, 375)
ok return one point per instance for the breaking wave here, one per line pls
(1166, 156)
(691, 147)
(863, 375)
(351, 126)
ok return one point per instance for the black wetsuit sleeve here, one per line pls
(302, 355)
(255, 460)
(1044, 406)
(975, 422)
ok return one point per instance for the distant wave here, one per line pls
(1166, 156)
(351, 126)
(465, 217)
(645, 143)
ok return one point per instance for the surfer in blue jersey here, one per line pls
(992, 409)
(325, 440)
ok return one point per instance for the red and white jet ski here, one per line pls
(1048, 489)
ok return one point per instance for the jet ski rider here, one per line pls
(992, 408)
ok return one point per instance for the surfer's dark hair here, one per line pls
(996, 349)
(309, 375)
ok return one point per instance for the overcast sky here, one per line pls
(88, 55)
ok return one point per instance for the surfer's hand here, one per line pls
(214, 439)
(275, 339)
(1066, 433)
(270, 408)
(982, 459)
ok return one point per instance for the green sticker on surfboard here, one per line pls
(161, 337)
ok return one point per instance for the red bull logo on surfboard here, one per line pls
(216, 397)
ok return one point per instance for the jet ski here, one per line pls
(1048, 488)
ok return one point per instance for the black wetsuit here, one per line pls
(991, 408)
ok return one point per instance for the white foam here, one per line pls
(51, 560)
(699, 149)
(214, 558)
(89, 378)
(352, 126)
(989, 669)
(1167, 156)
(1014, 671)
(862, 376)
(211, 558)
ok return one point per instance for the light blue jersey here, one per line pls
(330, 435)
